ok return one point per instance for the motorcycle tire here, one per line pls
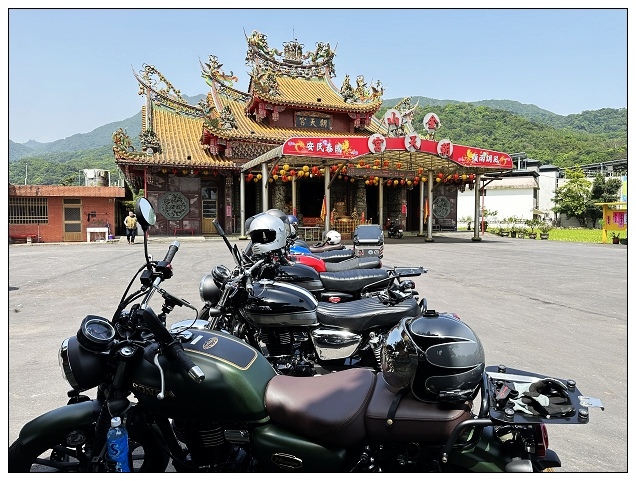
(399, 236)
(24, 460)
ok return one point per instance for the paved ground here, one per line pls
(544, 306)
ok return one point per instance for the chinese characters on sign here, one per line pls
(305, 120)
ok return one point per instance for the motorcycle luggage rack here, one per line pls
(507, 415)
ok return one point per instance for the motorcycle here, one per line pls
(394, 229)
(327, 281)
(302, 246)
(205, 401)
(335, 261)
(273, 309)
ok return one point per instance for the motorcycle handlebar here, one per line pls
(172, 250)
(173, 348)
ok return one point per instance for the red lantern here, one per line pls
(401, 181)
(440, 176)
(456, 176)
(471, 177)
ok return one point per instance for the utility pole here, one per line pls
(26, 172)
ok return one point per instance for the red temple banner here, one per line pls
(353, 147)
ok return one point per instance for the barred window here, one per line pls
(28, 210)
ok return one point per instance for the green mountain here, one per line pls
(503, 125)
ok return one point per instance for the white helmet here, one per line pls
(333, 237)
(267, 233)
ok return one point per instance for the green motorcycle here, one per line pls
(205, 401)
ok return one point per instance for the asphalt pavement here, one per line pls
(554, 308)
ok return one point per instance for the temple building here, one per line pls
(293, 141)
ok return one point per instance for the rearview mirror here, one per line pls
(145, 213)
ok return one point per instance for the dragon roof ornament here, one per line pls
(167, 96)
(147, 75)
(291, 61)
(211, 71)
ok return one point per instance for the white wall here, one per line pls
(514, 197)
(547, 187)
(508, 202)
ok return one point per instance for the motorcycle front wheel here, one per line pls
(72, 456)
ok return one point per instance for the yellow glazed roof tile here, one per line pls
(179, 137)
(314, 93)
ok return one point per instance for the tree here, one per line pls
(572, 198)
(604, 189)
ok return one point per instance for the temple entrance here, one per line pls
(373, 213)
(209, 209)
(310, 202)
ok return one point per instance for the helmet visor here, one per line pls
(262, 236)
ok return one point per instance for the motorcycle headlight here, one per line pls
(81, 368)
(209, 291)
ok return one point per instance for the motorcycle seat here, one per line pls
(354, 263)
(337, 255)
(416, 421)
(328, 409)
(353, 280)
(364, 314)
(316, 249)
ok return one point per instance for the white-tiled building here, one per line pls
(525, 192)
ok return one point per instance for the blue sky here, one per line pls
(71, 70)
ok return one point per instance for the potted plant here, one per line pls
(466, 219)
(544, 229)
(484, 218)
(513, 225)
(616, 237)
(532, 225)
(521, 231)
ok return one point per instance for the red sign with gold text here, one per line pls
(352, 147)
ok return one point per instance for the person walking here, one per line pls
(131, 227)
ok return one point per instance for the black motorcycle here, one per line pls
(394, 229)
(205, 401)
(283, 320)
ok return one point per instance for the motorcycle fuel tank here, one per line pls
(301, 275)
(233, 390)
(273, 303)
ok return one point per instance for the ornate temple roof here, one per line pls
(178, 143)
(173, 131)
(234, 130)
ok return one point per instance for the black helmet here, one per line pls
(438, 356)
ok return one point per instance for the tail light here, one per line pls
(541, 439)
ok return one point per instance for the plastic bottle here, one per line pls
(117, 441)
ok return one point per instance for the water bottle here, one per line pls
(117, 442)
